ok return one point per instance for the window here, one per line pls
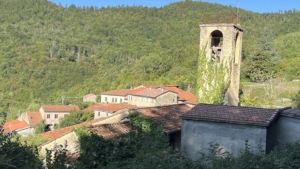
(106, 99)
(120, 100)
(112, 99)
(98, 114)
(56, 116)
(116, 100)
(48, 116)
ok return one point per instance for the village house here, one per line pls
(107, 109)
(24, 125)
(153, 97)
(18, 127)
(52, 114)
(228, 126)
(90, 98)
(115, 96)
(68, 138)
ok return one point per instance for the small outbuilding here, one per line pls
(228, 126)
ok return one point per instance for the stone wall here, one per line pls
(230, 61)
(69, 141)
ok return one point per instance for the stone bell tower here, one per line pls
(220, 59)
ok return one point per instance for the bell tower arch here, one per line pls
(220, 59)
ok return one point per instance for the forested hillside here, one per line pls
(48, 51)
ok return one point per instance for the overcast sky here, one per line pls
(261, 6)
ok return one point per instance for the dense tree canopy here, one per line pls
(48, 51)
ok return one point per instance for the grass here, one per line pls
(275, 94)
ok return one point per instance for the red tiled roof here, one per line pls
(111, 131)
(54, 134)
(60, 108)
(34, 118)
(184, 96)
(232, 114)
(166, 116)
(153, 93)
(290, 112)
(108, 107)
(136, 90)
(14, 125)
(119, 92)
(88, 95)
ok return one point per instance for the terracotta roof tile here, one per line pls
(60, 108)
(111, 131)
(119, 92)
(153, 93)
(14, 125)
(54, 134)
(232, 114)
(34, 118)
(108, 107)
(137, 90)
(166, 116)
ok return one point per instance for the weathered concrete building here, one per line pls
(288, 125)
(220, 59)
(228, 126)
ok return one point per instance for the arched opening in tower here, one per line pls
(216, 45)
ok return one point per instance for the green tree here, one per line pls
(75, 117)
(262, 63)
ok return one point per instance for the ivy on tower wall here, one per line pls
(213, 79)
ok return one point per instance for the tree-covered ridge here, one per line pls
(48, 51)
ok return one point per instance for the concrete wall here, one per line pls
(287, 130)
(117, 99)
(26, 131)
(196, 137)
(70, 139)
